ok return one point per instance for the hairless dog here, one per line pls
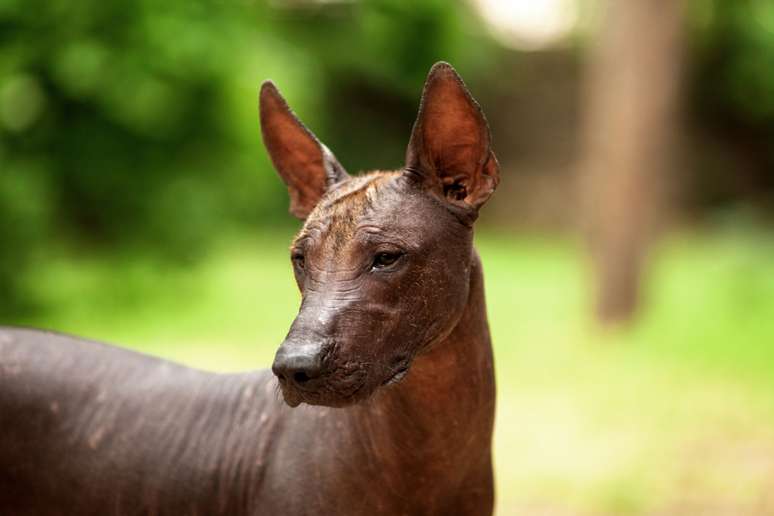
(386, 372)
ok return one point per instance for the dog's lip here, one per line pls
(292, 398)
(294, 395)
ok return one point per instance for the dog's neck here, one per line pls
(440, 417)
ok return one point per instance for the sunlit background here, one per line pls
(628, 253)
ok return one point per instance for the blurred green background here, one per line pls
(137, 206)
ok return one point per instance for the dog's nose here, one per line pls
(300, 364)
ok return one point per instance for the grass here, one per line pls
(673, 416)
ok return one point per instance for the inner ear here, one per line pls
(449, 147)
(306, 166)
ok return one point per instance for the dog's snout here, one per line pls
(298, 364)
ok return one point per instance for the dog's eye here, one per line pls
(298, 260)
(382, 260)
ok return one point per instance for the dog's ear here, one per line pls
(306, 166)
(449, 150)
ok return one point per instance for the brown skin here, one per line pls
(388, 363)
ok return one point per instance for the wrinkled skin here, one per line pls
(374, 320)
(386, 373)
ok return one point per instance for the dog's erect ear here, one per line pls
(449, 150)
(306, 166)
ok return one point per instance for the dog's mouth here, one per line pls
(333, 391)
(343, 390)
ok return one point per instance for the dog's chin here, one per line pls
(325, 402)
(327, 396)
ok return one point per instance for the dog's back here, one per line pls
(87, 428)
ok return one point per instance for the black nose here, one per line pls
(299, 364)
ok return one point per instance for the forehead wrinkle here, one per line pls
(353, 187)
(345, 217)
(337, 214)
(344, 196)
(309, 229)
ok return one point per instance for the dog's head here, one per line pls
(383, 259)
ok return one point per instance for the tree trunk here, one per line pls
(628, 126)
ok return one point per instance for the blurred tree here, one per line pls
(630, 110)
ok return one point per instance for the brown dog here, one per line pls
(390, 353)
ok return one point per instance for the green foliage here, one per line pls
(736, 45)
(133, 125)
(113, 131)
(731, 96)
